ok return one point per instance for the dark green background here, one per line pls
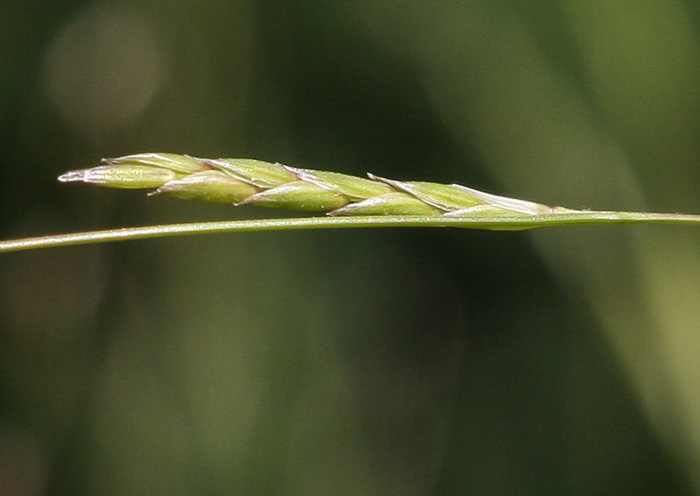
(360, 362)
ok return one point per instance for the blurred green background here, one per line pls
(364, 362)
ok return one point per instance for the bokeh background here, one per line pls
(360, 362)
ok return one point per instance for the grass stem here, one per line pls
(484, 222)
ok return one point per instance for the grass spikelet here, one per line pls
(208, 186)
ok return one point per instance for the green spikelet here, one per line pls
(127, 176)
(254, 182)
(298, 195)
(209, 186)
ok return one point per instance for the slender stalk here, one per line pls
(484, 222)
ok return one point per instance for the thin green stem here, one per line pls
(475, 222)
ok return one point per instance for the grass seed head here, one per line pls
(243, 181)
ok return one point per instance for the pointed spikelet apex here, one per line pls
(126, 176)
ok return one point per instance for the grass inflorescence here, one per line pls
(348, 201)
(254, 182)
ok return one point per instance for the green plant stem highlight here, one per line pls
(490, 222)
